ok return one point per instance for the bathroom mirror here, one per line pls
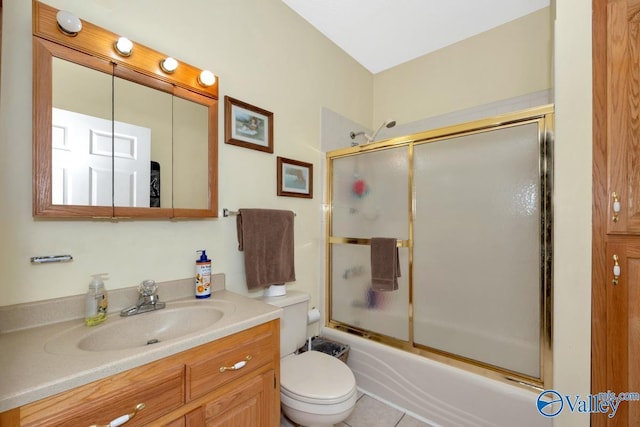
(142, 137)
(190, 166)
(81, 100)
(117, 136)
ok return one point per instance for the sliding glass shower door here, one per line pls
(470, 209)
(370, 199)
(477, 238)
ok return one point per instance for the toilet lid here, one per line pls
(316, 377)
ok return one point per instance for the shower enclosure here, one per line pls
(470, 208)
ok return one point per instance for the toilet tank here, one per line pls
(293, 323)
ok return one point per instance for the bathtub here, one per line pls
(438, 394)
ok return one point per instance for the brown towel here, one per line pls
(266, 236)
(385, 264)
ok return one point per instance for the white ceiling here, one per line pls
(381, 34)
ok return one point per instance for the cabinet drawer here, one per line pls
(160, 388)
(252, 349)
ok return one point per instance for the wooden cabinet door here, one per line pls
(615, 338)
(623, 115)
(623, 329)
(178, 422)
(195, 418)
(246, 404)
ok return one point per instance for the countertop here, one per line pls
(30, 372)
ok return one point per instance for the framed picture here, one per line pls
(247, 126)
(295, 179)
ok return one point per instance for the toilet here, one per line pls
(316, 389)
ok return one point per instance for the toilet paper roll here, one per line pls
(313, 316)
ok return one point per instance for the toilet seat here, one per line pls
(316, 378)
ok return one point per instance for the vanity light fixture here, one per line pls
(124, 46)
(68, 23)
(169, 65)
(206, 78)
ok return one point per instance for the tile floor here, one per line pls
(370, 412)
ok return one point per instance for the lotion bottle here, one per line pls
(203, 275)
(96, 301)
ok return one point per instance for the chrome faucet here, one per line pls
(147, 301)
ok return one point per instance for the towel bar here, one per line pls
(359, 241)
(51, 258)
(227, 212)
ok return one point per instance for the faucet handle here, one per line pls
(147, 288)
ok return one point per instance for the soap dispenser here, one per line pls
(96, 302)
(203, 275)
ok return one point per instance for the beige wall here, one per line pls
(265, 55)
(572, 203)
(550, 48)
(507, 61)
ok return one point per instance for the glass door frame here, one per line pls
(544, 117)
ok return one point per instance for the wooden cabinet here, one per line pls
(242, 354)
(231, 386)
(230, 382)
(174, 105)
(623, 326)
(238, 406)
(159, 385)
(623, 117)
(615, 313)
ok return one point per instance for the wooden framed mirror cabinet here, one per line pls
(119, 135)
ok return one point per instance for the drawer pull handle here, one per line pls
(123, 419)
(241, 364)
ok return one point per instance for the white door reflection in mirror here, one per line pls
(82, 161)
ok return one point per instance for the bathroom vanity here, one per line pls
(228, 371)
(186, 389)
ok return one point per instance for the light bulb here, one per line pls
(206, 78)
(124, 46)
(169, 65)
(68, 23)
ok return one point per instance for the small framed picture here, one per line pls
(295, 179)
(247, 126)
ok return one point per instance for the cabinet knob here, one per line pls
(615, 206)
(616, 270)
(241, 364)
(122, 419)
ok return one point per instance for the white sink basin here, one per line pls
(119, 333)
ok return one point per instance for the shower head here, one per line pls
(370, 138)
(388, 124)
